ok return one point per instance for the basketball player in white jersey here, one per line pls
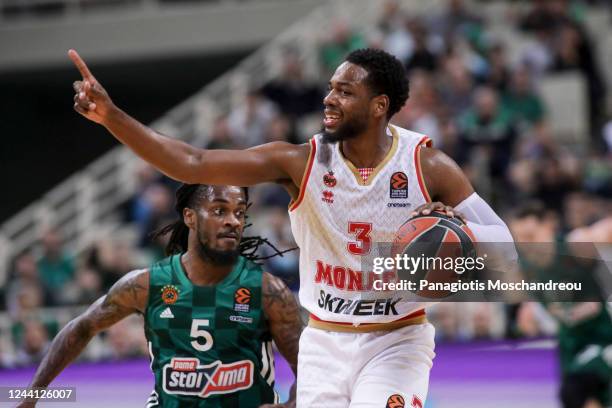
(352, 185)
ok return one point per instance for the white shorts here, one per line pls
(365, 370)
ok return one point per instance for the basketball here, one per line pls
(442, 243)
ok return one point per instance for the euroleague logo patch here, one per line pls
(395, 401)
(242, 300)
(169, 294)
(398, 185)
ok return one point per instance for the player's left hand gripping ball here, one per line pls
(447, 210)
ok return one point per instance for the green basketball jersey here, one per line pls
(210, 345)
(585, 328)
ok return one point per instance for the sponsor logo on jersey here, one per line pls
(398, 185)
(329, 179)
(185, 376)
(345, 278)
(398, 205)
(241, 319)
(358, 307)
(328, 197)
(395, 401)
(242, 300)
(169, 294)
(166, 314)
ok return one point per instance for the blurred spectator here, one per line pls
(279, 130)
(598, 175)
(581, 209)
(421, 57)
(137, 207)
(278, 232)
(547, 14)
(343, 40)
(574, 51)
(445, 316)
(537, 54)
(455, 85)
(420, 112)
(155, 203)
(292, 93)
(483, 317)
(126, 339)
(112, 258)
(523, 102)
(533, 320)
(560, 31)
(455, 20)
(555, 181)
(221, 137)
(449, 135)
(86, 288)
(487, 129)
(498, 73)
(7, 356)
(25, 300)
(25, 274)
(248, 122)
(397, 37)
(35, 343)
(391, 19)
(56, 266)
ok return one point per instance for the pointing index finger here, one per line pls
(80, 64)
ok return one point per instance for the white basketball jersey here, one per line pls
(338, 220)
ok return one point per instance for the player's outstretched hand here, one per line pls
(90, 99)
(447, 210)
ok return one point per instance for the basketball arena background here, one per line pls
(76, 208)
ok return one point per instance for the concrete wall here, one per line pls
(160, 30)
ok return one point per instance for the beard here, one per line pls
(218, 257)
(346, 131)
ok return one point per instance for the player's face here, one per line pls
(347, 105)
(219, 224)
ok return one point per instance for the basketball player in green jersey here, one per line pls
(585, 328)
(210, 313)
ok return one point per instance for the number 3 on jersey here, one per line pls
(361, 230)
(203, 339)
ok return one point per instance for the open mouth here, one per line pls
(331, 119)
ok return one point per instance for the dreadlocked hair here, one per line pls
(189, 196)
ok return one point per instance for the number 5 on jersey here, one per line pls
(361, 230)
(203, 339)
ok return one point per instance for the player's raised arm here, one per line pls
(276, 161)
(129, 295)
(281, 310)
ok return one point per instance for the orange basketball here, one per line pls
(438, 239)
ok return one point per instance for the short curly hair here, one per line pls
(386, 75)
